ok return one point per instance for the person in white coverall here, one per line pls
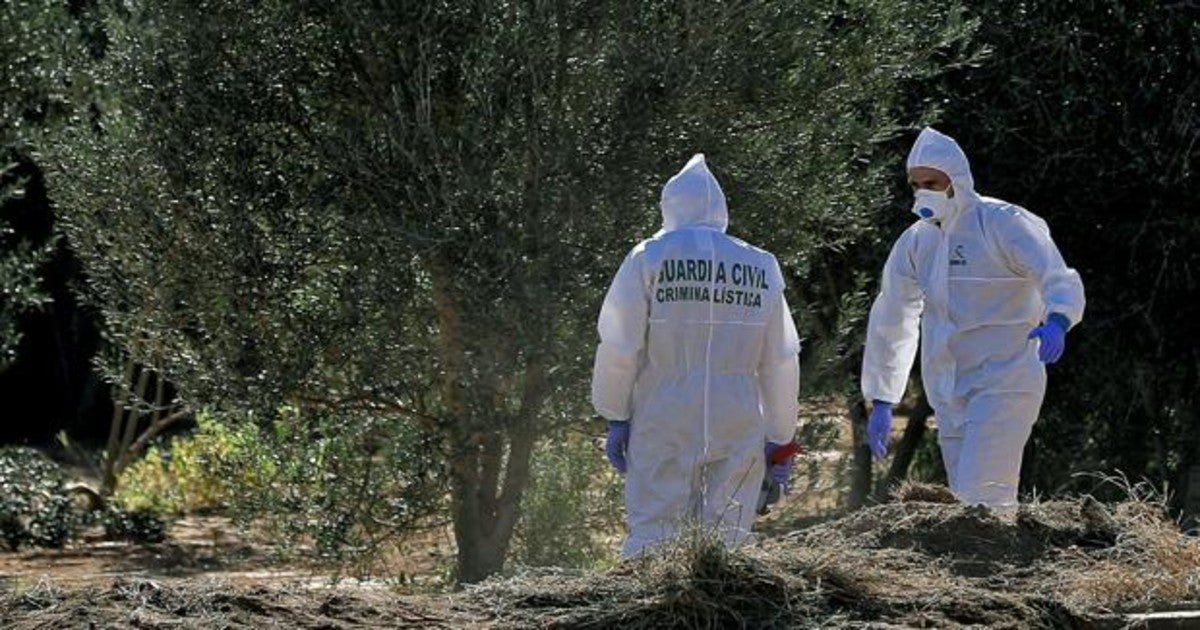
(696, 370)
(992, 298)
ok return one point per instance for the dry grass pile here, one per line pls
(1056, 564)
(213, 604)
(1149, 564)
(778, 584)
(694, 583)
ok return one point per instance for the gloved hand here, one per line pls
(782, 471)
(879, 427)
(617, 443)
(1053, 337)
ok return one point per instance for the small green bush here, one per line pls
(344, 484)
(333, 485)
(35, 510)
(137, 525)
(196, 472)
(572, 511)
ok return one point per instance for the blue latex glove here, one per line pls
(879, 428)
(780, 473)
(1053, 337)
(617, 443)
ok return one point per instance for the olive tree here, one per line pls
(404, 215)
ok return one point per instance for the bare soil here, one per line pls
(205, 575)
(1058, 564)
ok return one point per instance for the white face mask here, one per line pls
(932, 205)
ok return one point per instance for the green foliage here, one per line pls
(341, 484)
(20, 262)
(40, 44)
(197, 472)
(572, 509)
(292, 207)
(344, 484)
(140, 525)
(34, 509)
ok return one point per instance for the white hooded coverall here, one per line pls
(699, 352)
(974, 286)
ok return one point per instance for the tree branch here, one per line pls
(156, 427)
(368, 402)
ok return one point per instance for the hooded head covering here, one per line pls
(693, 198)
(934, 149)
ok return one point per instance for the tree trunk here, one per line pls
(490, 451)
(914, 432)
(860, 480)
(121, 398)
(485, 512)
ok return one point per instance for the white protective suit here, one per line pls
(975, 286)
(699, 352)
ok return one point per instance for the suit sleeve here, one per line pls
(893, 328)
(622, 328)
(779, 370)
(1028, 248)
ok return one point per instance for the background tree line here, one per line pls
(384, 231)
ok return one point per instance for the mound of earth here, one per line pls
(1058, 564)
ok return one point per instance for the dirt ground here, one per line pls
(1060, 564)
(203, 575)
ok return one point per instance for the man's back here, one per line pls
(710, 298)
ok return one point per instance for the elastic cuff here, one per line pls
(882, 403)
(617, 423)
(1060, 320)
